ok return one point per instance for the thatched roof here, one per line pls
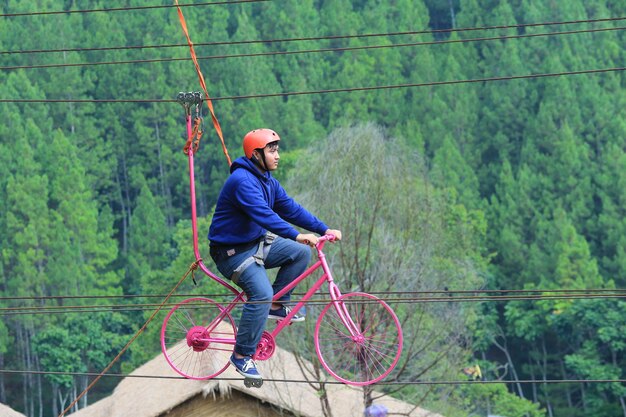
(6, 411)
(152, 397)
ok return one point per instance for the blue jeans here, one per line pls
(292, 258)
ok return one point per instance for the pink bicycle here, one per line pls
(358, 337)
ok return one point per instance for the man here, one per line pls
(251, 204)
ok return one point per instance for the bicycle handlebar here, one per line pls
(328, 237)
(323, 239)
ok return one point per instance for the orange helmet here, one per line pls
(258, 139)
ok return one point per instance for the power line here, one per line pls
(308, 51)
(428, 84)
(411, 296)
(129, 8)
(217, 295)
(304, 381)
(319, 301)
(330, 91)
(319, 38)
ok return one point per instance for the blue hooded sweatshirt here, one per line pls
(252, 203)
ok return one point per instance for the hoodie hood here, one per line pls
(248, 165)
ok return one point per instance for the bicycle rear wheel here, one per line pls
(358, 339)
(197, 338)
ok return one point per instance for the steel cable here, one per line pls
(329, 91)
(309, 51)
(129, 8)
(446, 291)
(333, 382)
(316, 38)
(321, 299)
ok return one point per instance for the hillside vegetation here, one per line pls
(513, 183)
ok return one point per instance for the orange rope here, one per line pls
(195, 134)
(216, 123)
(191, 270)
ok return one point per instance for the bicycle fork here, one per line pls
(342, 311)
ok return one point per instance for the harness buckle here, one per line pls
(259, 256)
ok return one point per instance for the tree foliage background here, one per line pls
(509, 185)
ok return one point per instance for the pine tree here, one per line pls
(506, 106)
(506, 215)
(451, 170)
(149, 241)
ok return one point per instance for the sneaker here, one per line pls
(245, 366)
(281, 313)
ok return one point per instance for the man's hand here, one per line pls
(336, 233)
(307, 239)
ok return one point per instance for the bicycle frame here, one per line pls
(333, 290)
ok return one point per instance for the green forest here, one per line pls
(473, 152)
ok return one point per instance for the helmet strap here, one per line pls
(254, 159)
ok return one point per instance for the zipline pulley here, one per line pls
(190, 99)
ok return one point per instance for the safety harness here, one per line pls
(259, 256)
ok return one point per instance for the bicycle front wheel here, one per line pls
(197, 338)
(358, 339)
